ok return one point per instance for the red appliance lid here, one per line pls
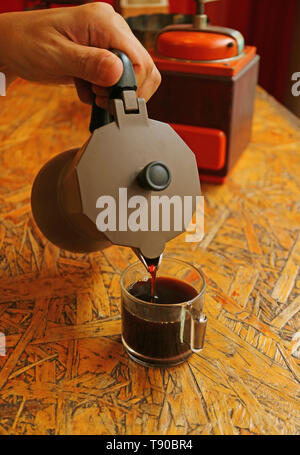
(195, 45)
(199, 42)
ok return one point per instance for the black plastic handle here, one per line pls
(99, 116)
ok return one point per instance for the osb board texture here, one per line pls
(66, 371)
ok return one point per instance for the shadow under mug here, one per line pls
(163, 335)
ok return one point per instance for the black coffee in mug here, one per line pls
(158, 342)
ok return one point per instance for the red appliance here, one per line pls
(207, 92)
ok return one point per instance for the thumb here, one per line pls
(98, 66)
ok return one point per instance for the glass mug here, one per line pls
(163, 334)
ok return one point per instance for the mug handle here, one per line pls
(198, 323)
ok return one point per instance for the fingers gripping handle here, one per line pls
(127, 80)
(99, 116)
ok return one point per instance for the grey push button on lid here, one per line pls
(155, 176)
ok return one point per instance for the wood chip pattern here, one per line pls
(65, 369)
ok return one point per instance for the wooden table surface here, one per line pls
(65, 369)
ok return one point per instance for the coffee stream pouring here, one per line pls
(127, 155)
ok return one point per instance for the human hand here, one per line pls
(71, 44)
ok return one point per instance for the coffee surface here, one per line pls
(166, 290)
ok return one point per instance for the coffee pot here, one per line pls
(83, 199)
